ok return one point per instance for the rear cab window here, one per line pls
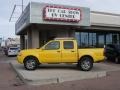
(68, 45)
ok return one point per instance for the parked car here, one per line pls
(112, 52)
(13, 51)
(61, 51)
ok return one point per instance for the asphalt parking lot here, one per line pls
(9, 80)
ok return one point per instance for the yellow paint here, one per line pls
(61, 55)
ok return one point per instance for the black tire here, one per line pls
(30, 63)
(85, 63)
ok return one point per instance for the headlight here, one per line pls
(19, 54)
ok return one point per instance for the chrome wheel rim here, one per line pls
(30, 64)
(86, 64)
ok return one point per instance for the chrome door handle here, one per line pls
(58, 51)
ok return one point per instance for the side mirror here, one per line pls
(42, 48)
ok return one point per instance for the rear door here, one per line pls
(69, 51)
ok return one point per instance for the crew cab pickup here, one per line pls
(61, 51)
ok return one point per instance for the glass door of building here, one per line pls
(115, 38)
(101, 40)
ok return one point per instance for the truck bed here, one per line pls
(95, 53)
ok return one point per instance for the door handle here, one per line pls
(58, 51)
(72, 51)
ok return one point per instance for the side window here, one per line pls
(68, 45)
(52, 45)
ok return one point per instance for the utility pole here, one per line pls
(22, 6)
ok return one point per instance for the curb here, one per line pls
(34, 82)
(57, 79)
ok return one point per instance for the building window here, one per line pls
(96, 39)
(77, 36)
(84, 39)
(115, 38)
(92, 39)
(101, 40)
(108, 38)
(119, 38)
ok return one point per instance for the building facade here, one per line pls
(41, 22)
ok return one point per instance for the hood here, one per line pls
(31, 50)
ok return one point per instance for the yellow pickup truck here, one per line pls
(61, 51)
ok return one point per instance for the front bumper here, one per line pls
(20, 59)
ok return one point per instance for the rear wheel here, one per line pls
(30, 63)
(85, 64)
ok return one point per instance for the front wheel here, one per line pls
(85, 63)
(30, 64)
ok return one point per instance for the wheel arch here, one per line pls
(82, 66)
(86, 56)
(31, 56)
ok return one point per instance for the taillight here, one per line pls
(104, 51)
(104, 46)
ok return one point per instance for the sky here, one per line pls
(7, 29)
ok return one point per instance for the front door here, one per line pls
(51, 53)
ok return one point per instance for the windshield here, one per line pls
(13, 48)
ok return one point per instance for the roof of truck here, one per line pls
(65, 38)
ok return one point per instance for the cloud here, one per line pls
(7, 28)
